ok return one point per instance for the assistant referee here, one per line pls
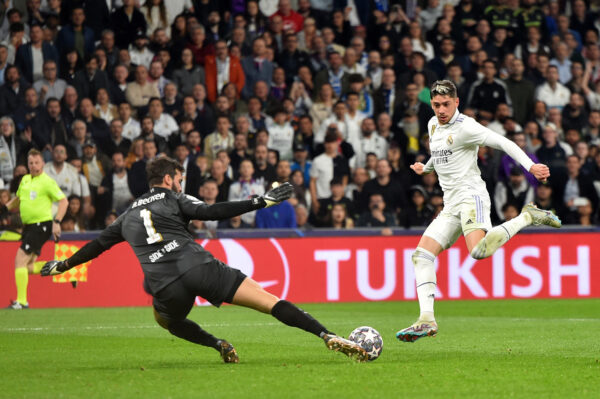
(35, 196)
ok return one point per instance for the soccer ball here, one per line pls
(369, 339)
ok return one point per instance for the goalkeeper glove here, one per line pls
(277, 194)
(54, 267)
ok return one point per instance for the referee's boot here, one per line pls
(228, 352)
(16, 305)
(345, 346)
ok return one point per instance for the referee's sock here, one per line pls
(21, 280)
(288, 313)
(190, 331)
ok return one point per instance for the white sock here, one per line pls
(499, 235)
(426, 282)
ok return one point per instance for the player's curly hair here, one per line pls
(443, 88)
(159, 167)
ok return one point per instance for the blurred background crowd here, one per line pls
(330, 95)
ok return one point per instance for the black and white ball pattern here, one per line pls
(369, 339)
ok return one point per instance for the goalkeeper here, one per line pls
(177, 269)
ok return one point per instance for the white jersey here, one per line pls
(454, 148)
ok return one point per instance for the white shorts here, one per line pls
(462, 218)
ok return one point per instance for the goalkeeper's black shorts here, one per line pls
(215, 281)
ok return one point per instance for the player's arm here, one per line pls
(421, 168)
(494, 140)
(109, 237)
(196, 209)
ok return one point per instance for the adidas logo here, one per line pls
(469, 221)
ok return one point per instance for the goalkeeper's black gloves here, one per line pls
(54, 267)
(276, 195)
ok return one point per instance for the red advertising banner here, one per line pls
(342, 269)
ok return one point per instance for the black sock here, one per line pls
(190, 331)
(287, 313)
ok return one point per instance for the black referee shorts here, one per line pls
(35, 236)
(215, 281)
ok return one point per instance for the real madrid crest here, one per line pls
(449, 140)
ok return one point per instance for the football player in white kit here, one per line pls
(454, 141)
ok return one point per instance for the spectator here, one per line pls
(197, 44)
(376, 216)
(507, 163)
(222, 69)
(280, 216)
(335, 76)
(322, 217)
(302, 217)
(552, 154)
(217, 173)
(245, 188)
(104, 108)
(521, 92)
(370, 142)
(13, 149)
(114, 193)
(30, 57)
(139, 92)
(240, 147)
(281, 135)
(62, 172)
(516, 190)
(338, 217)
(164, 124)
(49, 86)
(192, 179)
(487, 93)
(552, 92)
(209, 193)
(126, 22)
(578, 188)
(221, 139)
(137, 180)
(189, 74)
(574, 115)
(418, 212)
(12, 92)
(324, 168)
(262, 169)
(76, 35)
(393, 194)
(131, 127)
(118, 84)
(235, 222)
(118, 143)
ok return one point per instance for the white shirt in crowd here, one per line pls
(243, 190)
(375, 144)
(281, 138)
(131, 129)
(557, 98)
(122, 197)
(165, 125)
(322, 171)
(67, 179)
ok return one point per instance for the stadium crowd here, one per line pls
(330, 95)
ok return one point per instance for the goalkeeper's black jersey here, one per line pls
(155, 226)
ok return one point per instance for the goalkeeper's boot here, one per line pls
(541, 216)
(419, 329)
(16, 305)
(228, 352)
(345, 346)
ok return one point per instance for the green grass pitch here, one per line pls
(485, 349)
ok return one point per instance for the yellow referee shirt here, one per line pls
(36, 195)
